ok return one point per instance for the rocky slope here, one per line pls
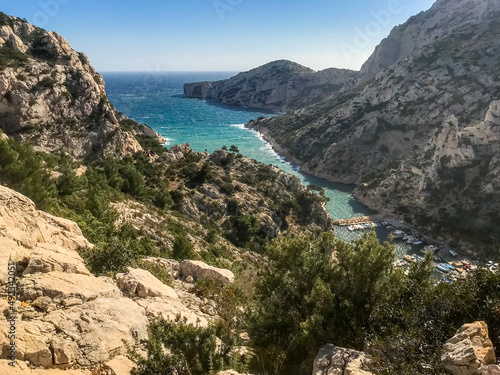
(280, 85)
(421, 138)
(67, 317)
(51, 95)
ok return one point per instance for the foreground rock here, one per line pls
(469, 350)
(279, 85)
(200, 270)
(143, 284)
(66, 316)
(333, 360)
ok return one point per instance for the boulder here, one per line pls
(143, 284)
(120, 365)
(333, 360)
(201, 270)
(469, 350)
(64, 351)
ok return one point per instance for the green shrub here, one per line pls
(189, 350)
(304, 298)
(183, 249)
(124, 248)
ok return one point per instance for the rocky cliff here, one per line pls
(420, 133)
(52, 96)
(280, 85)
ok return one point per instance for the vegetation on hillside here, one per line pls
(348, 294)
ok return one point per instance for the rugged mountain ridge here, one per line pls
(419, 136)
(52, 96)
(279, 85)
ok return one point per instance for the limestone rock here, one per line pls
(64, 351)
(200, 270)
(64, 286)
(143, 284)
(468, 350)
(62, 93)
(120, 365)
(26, 234)
(333, 360)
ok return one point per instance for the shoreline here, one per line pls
(395, 220)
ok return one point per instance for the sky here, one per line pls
(218, 35)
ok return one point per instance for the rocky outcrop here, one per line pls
(51, 95)
(333, 360)
(120, 365)
(141, 283)
(469, 351)
(200, 270)
(420, 138)
(67, 317)
(438, 23)
(279, 85)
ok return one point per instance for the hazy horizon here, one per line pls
(219, 35)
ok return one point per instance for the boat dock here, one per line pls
(358, 220)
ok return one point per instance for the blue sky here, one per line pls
(218, 35)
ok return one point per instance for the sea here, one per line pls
(156, 99)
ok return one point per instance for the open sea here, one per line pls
(156, 99)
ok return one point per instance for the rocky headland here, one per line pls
(278, 86)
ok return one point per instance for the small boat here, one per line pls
(350, 227)
(417, 242)
(442, 268)
(453, 253)
(410, 239)
(398, 234)
(418, 258)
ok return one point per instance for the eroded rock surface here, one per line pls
(469, 350)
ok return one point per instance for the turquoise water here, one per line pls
(156, 99)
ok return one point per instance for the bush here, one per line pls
(182, 349)
(183, 249)
(315, 299)
(124, 248)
